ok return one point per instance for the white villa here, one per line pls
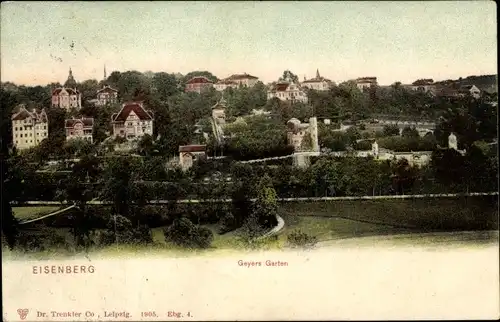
(133, 121)
(236, 80)
(29, 128)
(287, 91)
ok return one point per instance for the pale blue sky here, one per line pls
(394, 41)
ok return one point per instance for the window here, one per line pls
(15, 129)
(129, 123)
(16, 135)
(17, 142)
(31, 141)
(44, 127)
(31, 134)
(21, 135)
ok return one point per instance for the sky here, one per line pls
(393, 41)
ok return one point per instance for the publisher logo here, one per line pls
(22, 313)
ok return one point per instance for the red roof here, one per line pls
(199, 80)
(192, 148)
(86, 121)
(136, 107)
(70, 91)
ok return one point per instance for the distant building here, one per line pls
(423, 85)
(471, 90)
(366, 82)
(133, 121)
(243, 79)
(198, 84)
(318, 83)
(287, 91)
(107, 95)
(219, 111)
(29, 128)
(79, 129)
(223, 84)
(188, 154)
(68, 96)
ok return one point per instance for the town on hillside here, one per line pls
(196, 160)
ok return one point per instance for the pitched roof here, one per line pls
(241, 76)
(86, 121)
(317, 80)
(199, 80)
(107, 89)
(281, 87)
(70, 91)
(136, 107)
(366, 80)
(39, 116)
(192, 148)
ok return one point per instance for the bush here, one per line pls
(184, 233)
(298, 238)
(120, 230)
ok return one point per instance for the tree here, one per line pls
(9, 222)
(410, 132)
(164, 85)
(204, 73)
(266, 205)
(391, 130)
(289, 76)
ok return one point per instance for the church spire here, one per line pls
(317, 73)
(70, 82)
(105, 72)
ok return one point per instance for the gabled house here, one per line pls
(198, 84)
(79, 128)
(29, 128)
(318, 83)
(133, 121)
(287, 91)
(107, 95)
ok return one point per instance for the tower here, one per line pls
(317, 74)
(313, 130)
(105, 72)
(70, 82)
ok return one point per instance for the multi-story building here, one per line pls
(366, 82)
(67, 96)
(223, 84)
(287, 91)
(318, 83)
(198, 84)
(29, 128)
(133, 121)
(79, 128)
(107, 95)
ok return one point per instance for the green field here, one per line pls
(25, 213)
